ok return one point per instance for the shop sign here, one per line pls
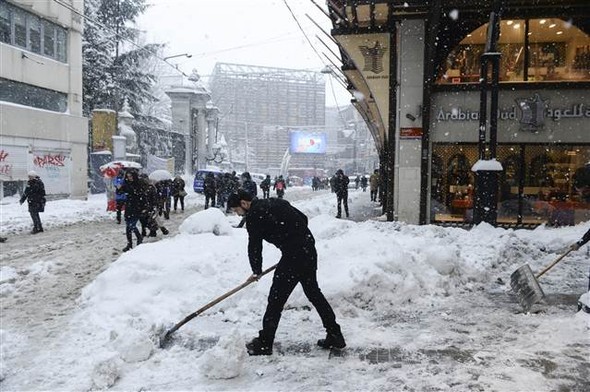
(533, 112)
(370, 54)
(410, 133)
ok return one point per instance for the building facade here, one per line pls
(41, 123)
(258, 109)
(418, 65)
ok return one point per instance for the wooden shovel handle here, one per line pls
(552, 264)
(215, 302)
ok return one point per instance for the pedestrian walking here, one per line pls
(280, 186)
(150, 212)
(364, 182)
(178, 192)
(120, 197)
(341, 189)
(209, 189)
(374, 184)
(265, 186)
(34, 194)
(248, 184)
(133, 207)
(164, 188)
(279, 223)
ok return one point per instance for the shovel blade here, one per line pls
(526, 287)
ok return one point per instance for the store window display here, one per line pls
(540, 184)
(553, 49)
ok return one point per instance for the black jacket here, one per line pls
(135, 197)
(341, 185)
(585, 239)
(278, 222)
(35, 195)
(177, 186)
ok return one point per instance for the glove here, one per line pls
(575, 246)
(253, 278)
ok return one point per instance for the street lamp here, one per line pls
(179, 55)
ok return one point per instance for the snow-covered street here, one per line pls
(422, 307)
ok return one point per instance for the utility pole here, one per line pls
(487, 168)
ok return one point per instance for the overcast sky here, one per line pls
(253, 32)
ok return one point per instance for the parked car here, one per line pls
(200, 178)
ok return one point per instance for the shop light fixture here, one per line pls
(543, 21)
(509, 22)
(559, 32)
(516, 26)
(552, 25)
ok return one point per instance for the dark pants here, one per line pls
(342, 198)
(373, 194)
(130, 228)
(266, 193)
(164, 207)
(119, 208)
(284, 281)
(181, 198)
(209, 197)
(36, 220)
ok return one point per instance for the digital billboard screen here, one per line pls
(308, 142)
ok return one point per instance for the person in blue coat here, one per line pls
(120, 196)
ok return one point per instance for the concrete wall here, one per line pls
(407, 175)
(26, 126)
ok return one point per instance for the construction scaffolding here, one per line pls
(260, 106)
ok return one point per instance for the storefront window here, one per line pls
(555, 50)
(539, 185)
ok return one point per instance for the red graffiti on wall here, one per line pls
(6, 169)
(49, 160)
(3, 155)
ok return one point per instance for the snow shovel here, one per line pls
(525, 285)
(166, 337)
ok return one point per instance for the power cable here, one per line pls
(99, 24)
(316, 52)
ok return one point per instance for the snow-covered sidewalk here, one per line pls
(421, 307)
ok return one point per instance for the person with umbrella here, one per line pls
(133, 207)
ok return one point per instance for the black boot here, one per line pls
(128, 247)
(139, 237)
(334, 339)
(259, 347)
(153, 233)
(164, 230)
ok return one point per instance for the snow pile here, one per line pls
(211, 220)
(392, 285)
(226, 359)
